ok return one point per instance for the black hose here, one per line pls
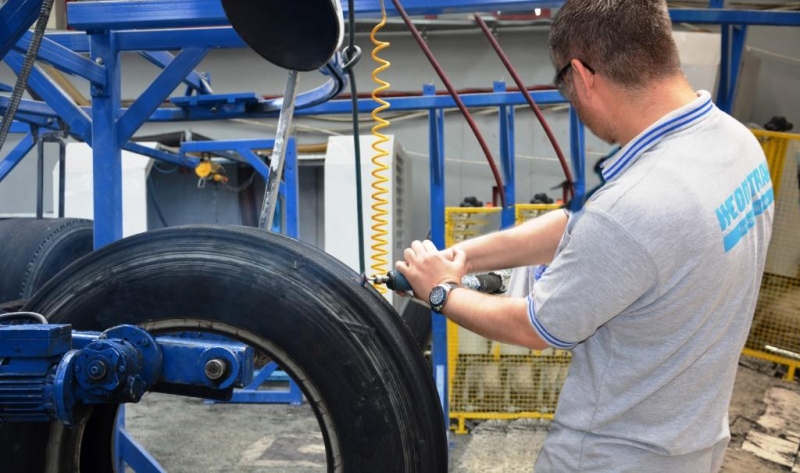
(351, 59)
(38, 318)
(154, 198)
(25, 72)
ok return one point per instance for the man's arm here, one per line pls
(504, 319)
(532, 243)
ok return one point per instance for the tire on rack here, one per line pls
(33, 251)
(350, 353)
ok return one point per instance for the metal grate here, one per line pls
(775, 334)
(490, 380)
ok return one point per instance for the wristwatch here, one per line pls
(438, 297)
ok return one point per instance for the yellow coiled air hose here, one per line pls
(380, 203)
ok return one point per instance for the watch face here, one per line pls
(438, 295)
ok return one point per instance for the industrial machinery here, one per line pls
(253, 293)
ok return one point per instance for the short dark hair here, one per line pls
(628, 41)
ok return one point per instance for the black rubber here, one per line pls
(418, 320)
(33, 251)
(297, 35)
(369, 385)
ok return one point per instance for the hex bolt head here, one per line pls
(216, 369)
(97, 370)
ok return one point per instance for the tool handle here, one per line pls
(398, 282)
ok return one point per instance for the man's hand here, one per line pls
(425, 267)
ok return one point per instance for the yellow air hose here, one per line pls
(379, 196)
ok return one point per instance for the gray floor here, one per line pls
(187, 435)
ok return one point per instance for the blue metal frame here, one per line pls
(144, 14)
(437, 177)
(508, 217)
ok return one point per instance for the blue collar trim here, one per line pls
(652, 137)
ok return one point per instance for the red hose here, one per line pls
(530, 100)
(456, 98)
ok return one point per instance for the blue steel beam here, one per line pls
(225, 37)
(15, 156)
(63, 59)
(172, 158)
(35, 108)
(163, 59)
(76, 41)
(437, 195)
(578, 155)
(735, 17)
(157, 40)
(76, 119)
(270, 108)
(150, 14)
(19, 127)
(106, 149)
(16, 16)
(255, 161)
(158, 91)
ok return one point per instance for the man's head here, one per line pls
(603, 48)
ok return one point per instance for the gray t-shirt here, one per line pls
(653, 289)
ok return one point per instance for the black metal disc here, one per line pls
(297, 35)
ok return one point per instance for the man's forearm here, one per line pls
(503, 319)
(532, 243)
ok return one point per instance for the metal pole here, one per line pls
(62, 176)
(40, 179)
(279, 152)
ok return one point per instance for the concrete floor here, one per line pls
(187, 435)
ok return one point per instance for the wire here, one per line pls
(39, 318)
(154, 198)
(352, 60)
(242, 187)
(380, 201)
(165, 171)
(425, 49)
(511, 70)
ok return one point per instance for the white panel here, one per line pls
(79, 192)
(341, 219)
(700, 58)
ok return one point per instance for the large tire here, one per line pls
(33, 251)
(370, 388)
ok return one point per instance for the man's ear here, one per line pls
(584, 79)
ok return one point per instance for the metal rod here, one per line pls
(40, 179)
(279, 152)
(62, 176)
(782, 352)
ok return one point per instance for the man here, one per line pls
(654, 283)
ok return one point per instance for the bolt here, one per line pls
(99, 61)
(121, 368)
(216, 369)
(214, 110)
(97, 370)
